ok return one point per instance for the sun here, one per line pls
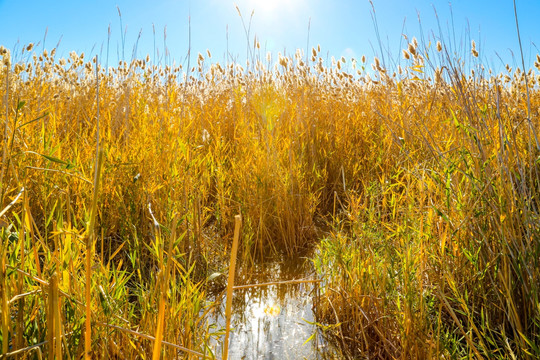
(270, 8)
(264, 6)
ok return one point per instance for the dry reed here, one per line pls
(425, 181)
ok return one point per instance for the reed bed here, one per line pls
(423, 181)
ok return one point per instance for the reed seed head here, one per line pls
(406, 54)
(377, 62)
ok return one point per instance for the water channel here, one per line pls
(275, 321)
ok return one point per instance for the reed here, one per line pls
(435, 228)
(163, 292)
(4, 298)
(230, 285)
(418, 186)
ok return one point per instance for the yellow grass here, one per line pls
(419, 189)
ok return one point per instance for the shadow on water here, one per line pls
(275, 321)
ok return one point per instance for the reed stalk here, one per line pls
(163, 285)
(91, 231)
(230, 285)
(4, 317)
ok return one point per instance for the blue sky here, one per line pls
(341, 27)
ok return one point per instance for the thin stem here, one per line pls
(526, 80)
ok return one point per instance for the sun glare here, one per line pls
(267, 9)
(263, 6)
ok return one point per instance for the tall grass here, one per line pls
(426, 179)
(435, 252)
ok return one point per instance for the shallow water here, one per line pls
(273, 322)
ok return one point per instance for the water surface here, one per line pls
(273, 322)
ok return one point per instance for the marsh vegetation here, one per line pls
(413, 187)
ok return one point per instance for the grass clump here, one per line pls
(435, 251)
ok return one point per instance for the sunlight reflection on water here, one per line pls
(270, 322)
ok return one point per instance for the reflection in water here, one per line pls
(270, 322)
